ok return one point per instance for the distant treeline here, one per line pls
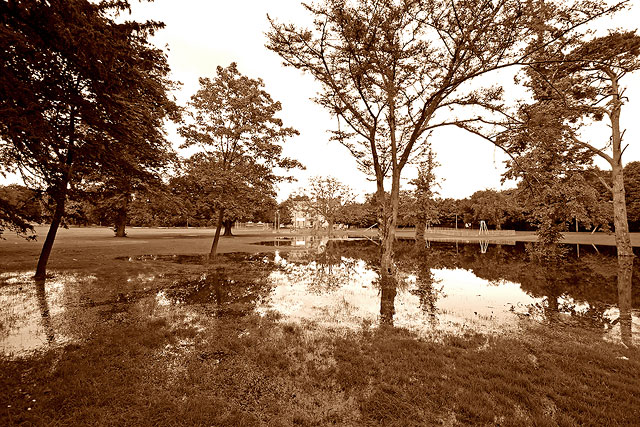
(164, 205)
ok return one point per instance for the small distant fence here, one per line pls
(449, 231)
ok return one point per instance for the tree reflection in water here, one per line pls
(322, 267)
(578, 290)
(388, 291)
(43, 305)
(233, 288)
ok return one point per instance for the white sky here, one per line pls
(202, 34)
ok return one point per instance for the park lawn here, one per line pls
(189, 365)
(251, 370)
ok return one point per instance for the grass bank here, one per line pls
(253, 371)
(188, 364)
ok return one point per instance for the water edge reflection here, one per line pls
(450, 288)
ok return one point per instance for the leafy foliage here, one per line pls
(80, 95)
(242, 194)
(326, 198)
(233, 120)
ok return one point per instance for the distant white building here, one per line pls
(300, 217)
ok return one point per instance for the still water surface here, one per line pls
(444, 288)
(448, 288)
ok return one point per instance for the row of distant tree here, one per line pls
(160, 204)
(517, 208)
(174, 203)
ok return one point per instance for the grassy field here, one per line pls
(134, 361)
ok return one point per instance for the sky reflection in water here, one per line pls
(31, 311)
(447, 289)
(347, 295)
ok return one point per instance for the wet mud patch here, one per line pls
(197, 259)
(178, 259)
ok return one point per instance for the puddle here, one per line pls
(348, 294)
(34, 314)
(449, 288)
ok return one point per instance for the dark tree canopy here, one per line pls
(79, 91)
(79, 94)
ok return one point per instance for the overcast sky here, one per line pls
(202, 34)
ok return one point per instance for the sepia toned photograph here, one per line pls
(322, 212)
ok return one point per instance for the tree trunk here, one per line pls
(388, 226)
(421, 224)
(214, 246)
(623, 240)
(41, 269)
(330, 227)
(384, 231)
(620, 223)
(121, 222)
(61, 198)
(228, 224)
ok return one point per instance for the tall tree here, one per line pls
(233, 120)
(326, 197)
(78, 93)
(578, 83)
(392, 71)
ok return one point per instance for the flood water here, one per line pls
(449, 288)
(445, 288)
